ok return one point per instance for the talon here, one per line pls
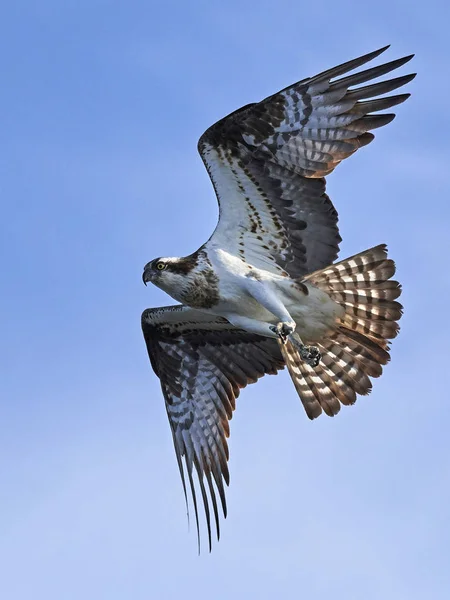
(278, 330)
(283, 330)
(311, 355)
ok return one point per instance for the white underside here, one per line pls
(253, 298)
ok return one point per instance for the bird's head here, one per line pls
(168, 273)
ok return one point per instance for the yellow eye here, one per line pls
(160, 266)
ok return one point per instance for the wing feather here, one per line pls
(203, 362)
(267, 162)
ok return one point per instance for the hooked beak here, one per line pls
(146, 276)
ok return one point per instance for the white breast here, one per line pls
(315, 313)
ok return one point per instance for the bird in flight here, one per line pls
(263, 293)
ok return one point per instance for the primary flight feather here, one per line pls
(262, 292)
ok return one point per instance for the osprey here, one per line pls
(262, 292)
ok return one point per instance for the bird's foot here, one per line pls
(283, 330)
(286, 331)
(310, 354)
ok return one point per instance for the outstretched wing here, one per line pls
(202, 362)
(267, 162)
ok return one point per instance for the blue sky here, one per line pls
(102, 105)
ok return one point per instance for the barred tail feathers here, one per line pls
(362, 284)
(359, 347)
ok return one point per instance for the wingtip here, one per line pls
(384, 119)
(396, 63)
(355, 63)
(405, 79)
(403, 97)
(383, 49)
(403, 60)
(371, 55)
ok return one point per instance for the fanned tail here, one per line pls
(359, 347)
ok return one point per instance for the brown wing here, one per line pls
(267, 162)
(202, 362)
